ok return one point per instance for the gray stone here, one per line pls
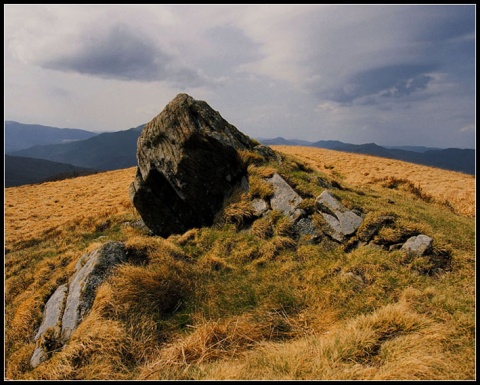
(284, 198)
(188, 163)
(306, 230)
(417, 245)
(259, 207)
(244, 184)
(52, 317)
(92, 269)
(341, 220)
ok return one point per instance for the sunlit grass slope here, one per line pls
(447, 187)
(242, 299)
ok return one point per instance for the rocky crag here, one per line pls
(188, 162)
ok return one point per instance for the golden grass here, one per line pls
(391, 343)
(242, 299)
(31, 211)
(456, 188)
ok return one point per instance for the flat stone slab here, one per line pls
(92, 269)
(52, 317)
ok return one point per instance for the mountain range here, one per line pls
(106, 151)
(19, 136)
(20, 171)
(82, 151)
(455, 159)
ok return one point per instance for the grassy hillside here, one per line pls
(243, 300)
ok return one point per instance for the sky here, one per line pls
(390, 74)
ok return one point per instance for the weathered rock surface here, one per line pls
(188, 162)
(417, 245)
(52, 319)
(284, 198)
(341, 220)
(91, 271)
(68, 305)
(259, 207)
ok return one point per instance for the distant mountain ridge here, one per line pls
(19, 136)
(116, 150)
(20, 171)
(106, 151)
(455, 159)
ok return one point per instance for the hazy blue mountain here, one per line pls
(19, 136)
(455, 159)
(413, 148)
(20, 171)
(284, 142)
(106, 151)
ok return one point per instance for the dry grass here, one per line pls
(450, 187)
(391, 343)
(34, 211)
(243, 299)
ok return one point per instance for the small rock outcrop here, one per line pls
(417, 245)
(342, 221)
(188, 162)
(284, 198)
(68, 305)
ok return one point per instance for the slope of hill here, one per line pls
(462, 160)
(241, 301)
(107, 151)
(19, 136)
(20, 170)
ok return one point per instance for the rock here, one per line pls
(417, 245)
(268, 153)
(52, 317)
(342, 221)
(284, 198)
(306, 231)
(91, 270)
(259, 207)
(188, 163)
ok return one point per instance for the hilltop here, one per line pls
(308, 314)
(305, 266)
(20, 171)
(19, 136)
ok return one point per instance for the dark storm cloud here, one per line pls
(446, 22)
(120, 53)
(387, 81)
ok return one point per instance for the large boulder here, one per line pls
(188, 162)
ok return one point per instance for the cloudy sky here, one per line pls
(391, 74)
